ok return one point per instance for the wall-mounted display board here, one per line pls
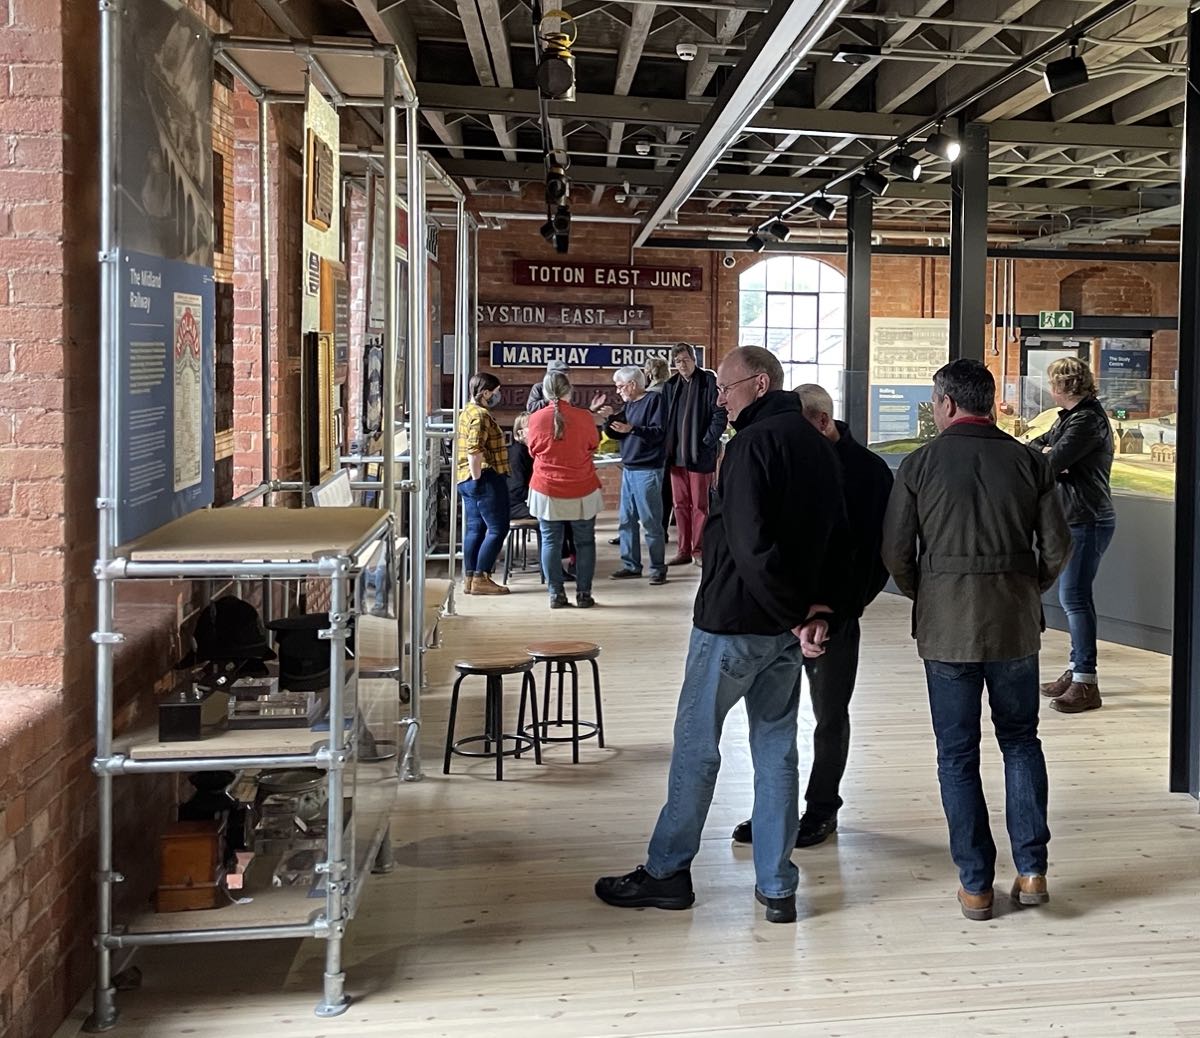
(167, 307)
(335, 312)
(318, 406)
(565, 315)
(607, 275)
(580, 354)
(322, 223)
(905, 352)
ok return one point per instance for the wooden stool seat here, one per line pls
(542, 651)
(498, 661)
(492, 667)
(562, 658)
(524, 524)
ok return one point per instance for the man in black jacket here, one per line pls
(695, 423)
(767, 563)
(868, 482)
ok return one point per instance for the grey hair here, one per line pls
(758, 361)
(815, 400)
(630, 374)
(557, 387)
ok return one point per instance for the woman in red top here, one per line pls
(564, 490)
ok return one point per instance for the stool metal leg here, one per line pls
(489, 731)
(574, 711)
(529, 684)
(599, 713)
(450, 724)
(561, 668)
(496, 693)
(508, 555)
(546, 698)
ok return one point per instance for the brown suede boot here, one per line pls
(976, 906)
(1058, 686)
(484, 585)
(468, 584)
(1078, 697)
(1030, 890)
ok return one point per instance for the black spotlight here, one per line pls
(873, 183)
(823, 208)
(904, 165)
(779, 230)
(856, 53)
(1071, 71)
(756, 243)
(556, 185)
(944, 146)
(547, 231)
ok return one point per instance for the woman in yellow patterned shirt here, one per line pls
(482, 482)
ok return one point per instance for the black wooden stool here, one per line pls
(561, 658)
(494, 666)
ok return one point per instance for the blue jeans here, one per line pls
(1089, 542)
(485, 507)
(956, 703)
(553, 532)
(641, 501)
(721, 669)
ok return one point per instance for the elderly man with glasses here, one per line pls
(771, 554)
(640, 426)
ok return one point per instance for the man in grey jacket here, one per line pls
(974, 534)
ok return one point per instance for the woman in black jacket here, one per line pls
(1079, 448)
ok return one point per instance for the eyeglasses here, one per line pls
(724, 390)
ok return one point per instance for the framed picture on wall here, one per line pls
(318, 402)
(318, 208)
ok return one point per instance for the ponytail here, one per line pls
(557, 387)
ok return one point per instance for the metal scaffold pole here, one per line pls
(417, 393)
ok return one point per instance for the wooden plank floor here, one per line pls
(489, 926)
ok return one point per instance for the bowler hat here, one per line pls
(231, 629)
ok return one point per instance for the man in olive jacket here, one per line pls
(974, 534)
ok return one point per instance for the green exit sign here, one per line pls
(1056, 320)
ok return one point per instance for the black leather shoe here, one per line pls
(638, 889)
(559, 601)
(614, 540)
(779, 909)
(626, 574)
(584, 600)
(815, 830)
(811, 832)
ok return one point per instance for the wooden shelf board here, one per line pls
(250, 534)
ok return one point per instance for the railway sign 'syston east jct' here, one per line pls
(565, 315)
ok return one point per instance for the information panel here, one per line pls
(166, 384)
(905, 352)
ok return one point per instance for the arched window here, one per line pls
(796, 307)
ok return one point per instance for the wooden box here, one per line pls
(191, 866)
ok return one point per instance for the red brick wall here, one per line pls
(49, 417)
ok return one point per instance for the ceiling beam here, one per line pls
(835, 79)
(901, 81)
(1142, 25)
(628, 59)
(782, 120)
(786, 33)
(700, 72)
(393, 26)
(765, 184)
(1150, 100)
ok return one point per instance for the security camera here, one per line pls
(686, 51)
(642, 146)
(728, 261)
(620, 197)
